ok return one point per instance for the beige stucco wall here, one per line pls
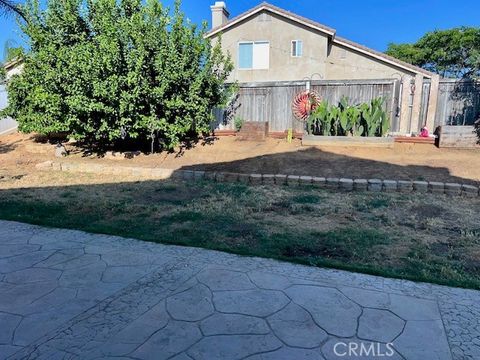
(14, 71)
(344, 63)
(280, 33)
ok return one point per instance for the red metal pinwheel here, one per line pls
(304, 103)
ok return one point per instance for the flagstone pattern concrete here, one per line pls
(72, 295)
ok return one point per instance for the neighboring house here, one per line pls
(269, 44)
(14, 67)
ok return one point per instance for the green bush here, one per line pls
(238, 123)
(367, 119)
(110, 72)
(3, 74)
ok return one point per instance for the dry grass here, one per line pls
(419, 237)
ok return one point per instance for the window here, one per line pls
(297, 48)
(254, 55)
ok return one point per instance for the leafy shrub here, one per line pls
(367, 119)
(238, 123)
(109, 72)
(3, 74)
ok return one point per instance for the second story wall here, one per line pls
(344, 63)
(267, 44)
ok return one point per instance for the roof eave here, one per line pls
(12, 63)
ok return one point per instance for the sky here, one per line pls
(374, 23)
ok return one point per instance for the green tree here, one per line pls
(117, 71)
(450, 53)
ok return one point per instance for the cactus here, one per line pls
(349, 116)
(358, 131)
(318, 119)
(368, 119)
(375, 118)
(333, 118)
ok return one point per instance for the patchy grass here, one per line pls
(428, 238)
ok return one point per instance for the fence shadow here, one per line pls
(317, 162)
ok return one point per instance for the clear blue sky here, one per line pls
(373, 23)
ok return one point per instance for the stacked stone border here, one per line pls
(342, 184)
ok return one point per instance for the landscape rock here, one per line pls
(268, 179)
(332, 183)
(280, 179)
(319, 181)
(360, 184)
(375, 185)
(436, 187)
(346, 184)
(390, 185)
(420, 186)
(453, 188)
(469, 190)
(404, 186)
(293, 179)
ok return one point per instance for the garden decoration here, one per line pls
(304, 104)
(424, 132)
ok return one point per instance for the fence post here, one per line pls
(396, 106)
(432, 102)
(405, 106)
(417, 103)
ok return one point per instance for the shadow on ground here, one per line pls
(317, 162)
(8, 147)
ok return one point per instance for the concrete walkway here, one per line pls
(72, 295)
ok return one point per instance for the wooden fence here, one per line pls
(458, 102)
(272, 102)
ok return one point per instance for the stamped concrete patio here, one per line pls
(72, 295)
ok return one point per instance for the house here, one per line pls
(8, 125)
(13, 67)
(270, 44)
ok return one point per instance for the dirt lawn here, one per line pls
(403, 161)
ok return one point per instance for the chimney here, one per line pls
(219, 14)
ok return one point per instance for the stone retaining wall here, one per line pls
(343, 184)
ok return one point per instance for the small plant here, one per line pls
(238, 123)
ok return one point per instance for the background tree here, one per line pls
(450, 53)
(110, 72)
